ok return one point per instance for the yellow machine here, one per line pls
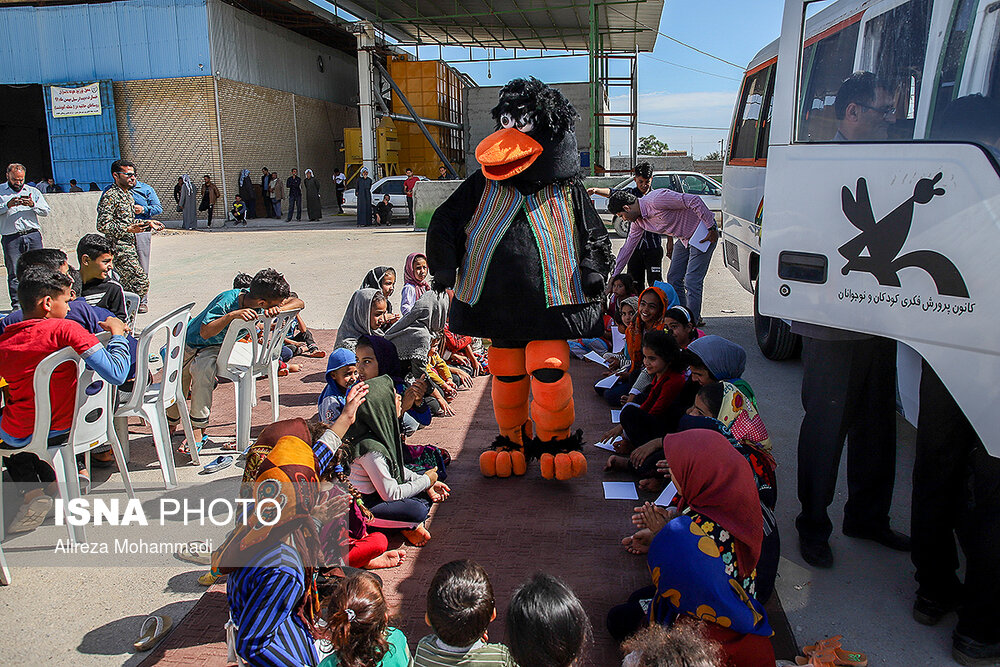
(386, 146)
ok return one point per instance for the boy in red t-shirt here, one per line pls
(45, 295)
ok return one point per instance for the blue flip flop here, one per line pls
(183, 448)
(218, 464)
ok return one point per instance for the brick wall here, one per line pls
(167, 128)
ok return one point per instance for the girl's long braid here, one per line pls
(340, 459)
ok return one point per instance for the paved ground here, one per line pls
(90, 616)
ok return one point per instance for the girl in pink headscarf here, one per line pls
(414, 280)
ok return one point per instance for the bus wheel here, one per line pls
(774, 337)
(621, 226)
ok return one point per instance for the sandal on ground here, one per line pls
(218, 464)
(153, 629)
(183, 448)
(31, 514)
(228, 446)
(824, 658)
(194, 552)
(209, 578)
(831, 645)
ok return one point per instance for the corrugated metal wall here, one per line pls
(136, 39)
(249, 49)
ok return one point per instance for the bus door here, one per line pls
(883, 184)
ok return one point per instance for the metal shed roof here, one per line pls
(624, 25)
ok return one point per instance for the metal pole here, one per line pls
(417, 120)
(365, 32)
(426, 121)
(295, 130)
(594, 88)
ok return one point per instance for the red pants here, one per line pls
(367, 548)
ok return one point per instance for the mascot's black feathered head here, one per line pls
(534, 139)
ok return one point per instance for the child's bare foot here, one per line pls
(653, 484)
(418, 536)
(315, 352)
(294, 368)
(388, 559)
(638, 543)
(616, 462)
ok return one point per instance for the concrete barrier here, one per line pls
(427, 196)
(73, 214)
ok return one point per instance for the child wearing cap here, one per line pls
(341, 373)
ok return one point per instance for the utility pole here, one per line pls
(365, 33)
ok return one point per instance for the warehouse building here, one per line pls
(177, 86)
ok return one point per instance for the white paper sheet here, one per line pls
(620, 491)
(606, 383)
(667, 495)
(617, 340)
(699, 239)
(616, 416)
(596, 358)
(608, 444)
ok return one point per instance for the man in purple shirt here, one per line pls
(679, 216)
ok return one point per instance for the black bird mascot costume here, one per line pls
(528, 257)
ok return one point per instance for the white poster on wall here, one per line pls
(81, 101)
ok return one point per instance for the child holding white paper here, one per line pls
(644, 425)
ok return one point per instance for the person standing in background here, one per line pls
(294, 184)
(116, 220)
(147, 207)
(265, 193)
(314, 205)
(339, 183)
(209, 195)
(277, 193)
(364, 199)
(20, 206)
(187, 204)
(73, 187)
(408, 184)
(247, 194)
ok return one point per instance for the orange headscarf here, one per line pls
(636, 330)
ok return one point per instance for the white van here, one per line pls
(895, 236)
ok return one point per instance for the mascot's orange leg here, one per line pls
(510, 407)
(552, 409)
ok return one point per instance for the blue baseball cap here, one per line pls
(339, 358)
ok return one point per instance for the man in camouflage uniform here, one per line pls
(116, 220)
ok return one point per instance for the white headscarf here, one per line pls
(309, 173)
(188, 185)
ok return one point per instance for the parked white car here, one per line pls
(389, 185)
(690, 182)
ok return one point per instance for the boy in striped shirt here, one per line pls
(460, 607)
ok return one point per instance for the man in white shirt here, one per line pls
(20, 206)
(339, 183)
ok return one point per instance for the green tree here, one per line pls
(652, 146)
(713, 156)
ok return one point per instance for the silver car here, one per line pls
(689, 182)
(389, 185)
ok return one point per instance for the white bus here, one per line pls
(894, 234)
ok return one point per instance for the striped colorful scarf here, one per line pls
(550, 216)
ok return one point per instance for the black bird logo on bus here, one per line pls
(885, 238)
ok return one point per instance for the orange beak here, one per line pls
(507, 153)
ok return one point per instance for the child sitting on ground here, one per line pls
(239, 211)
(357, 626)
(45, 296)
(460, 607)
(365, 315)
(643, 425)
(414, 281)
(383, 278)
(341, 374)
(681, 645)
(95, 254)
(546, 624)
(207, 330)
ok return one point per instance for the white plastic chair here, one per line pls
(244, 362)
(131, 307)
(92, 427)
(149, 401)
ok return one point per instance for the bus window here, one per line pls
(949, 75)
(744, 140)
(826, 63)
(765, 126)
(893, 48)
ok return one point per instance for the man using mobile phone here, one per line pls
(20, 206)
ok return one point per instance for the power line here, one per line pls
(673, 39)
(683, 127)
(700, 71)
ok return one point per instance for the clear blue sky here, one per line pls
(734, 30)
